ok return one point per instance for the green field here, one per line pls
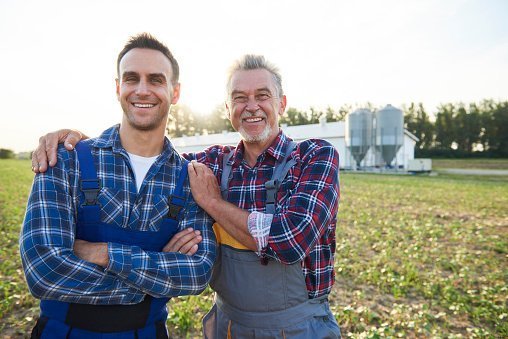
(417, 256)
(494, 164)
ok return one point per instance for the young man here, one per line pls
(275, 203)
(97, 242)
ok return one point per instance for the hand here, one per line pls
(94, 252)
(184, 242)
(48, 145)
(204, 186)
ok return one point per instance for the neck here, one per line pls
(252, 150)
(142, 143)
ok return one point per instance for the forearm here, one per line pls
(166, 274)
(160, 274)
(233, 219)
(55, 273)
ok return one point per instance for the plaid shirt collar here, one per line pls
(110, 138)
(275, 150)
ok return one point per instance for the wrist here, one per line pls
(102, 256)
(214, 206)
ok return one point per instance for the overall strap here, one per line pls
(177, 200)
(279, 173)
(89, 184)
(226, 172)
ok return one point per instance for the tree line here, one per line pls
(454, 130)
(460, 130)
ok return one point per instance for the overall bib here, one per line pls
(146, 319)
(261, 298)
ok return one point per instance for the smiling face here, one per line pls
(254, 106)
(145, 90)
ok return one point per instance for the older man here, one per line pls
(275, 205)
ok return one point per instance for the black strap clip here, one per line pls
(176, 204)
(91, 188)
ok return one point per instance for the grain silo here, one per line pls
(359, 133)
(389, 132)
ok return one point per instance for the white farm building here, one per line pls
(333, 132)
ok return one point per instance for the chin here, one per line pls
(261, 137)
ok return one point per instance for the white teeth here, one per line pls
(144, 105)
(253, 119)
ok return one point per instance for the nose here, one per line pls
(142, 88)
(252, 104)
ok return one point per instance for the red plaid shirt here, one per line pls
(303, 226)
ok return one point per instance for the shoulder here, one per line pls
(210, 155)
(317, 148)
(65, 159)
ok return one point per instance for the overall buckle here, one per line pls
(91, 188)
(175, 209)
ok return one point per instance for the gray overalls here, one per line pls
(263, 298)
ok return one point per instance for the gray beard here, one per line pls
(255, 138)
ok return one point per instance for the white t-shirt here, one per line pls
(140, 166)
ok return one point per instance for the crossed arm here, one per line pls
(60, 267)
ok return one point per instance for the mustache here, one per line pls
(257, 114)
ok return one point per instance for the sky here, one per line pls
(58, 58)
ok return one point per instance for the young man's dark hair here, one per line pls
(146, 40)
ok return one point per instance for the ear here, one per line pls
(176, 94)
(228, 111)
(283, 103)
(117, 82)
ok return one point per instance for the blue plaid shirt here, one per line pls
(54, 272)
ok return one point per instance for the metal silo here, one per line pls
(389, 132)
(359, 133)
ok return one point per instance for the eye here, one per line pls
(240, 99)
(130, 79)
(262, 97)
(157, 80)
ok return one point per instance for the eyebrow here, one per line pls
(126, 74)
(151, 75)
(262, 89)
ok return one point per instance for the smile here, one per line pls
(253, 119)
(143, 105)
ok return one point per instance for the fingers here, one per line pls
(71, 138)
(51, 147)
(185, 242)
(35, 162)
(191, 171)
(199, 169)
(39, 156)
(46, 152)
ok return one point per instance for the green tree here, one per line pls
(417, 121)
(217, 121)
(294, 117)
(313, 116)
(6, 153)
(496, 129)
(469, 127)
(445, 130)
(182, 121)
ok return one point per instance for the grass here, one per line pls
(495, 164)
(417, 256)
